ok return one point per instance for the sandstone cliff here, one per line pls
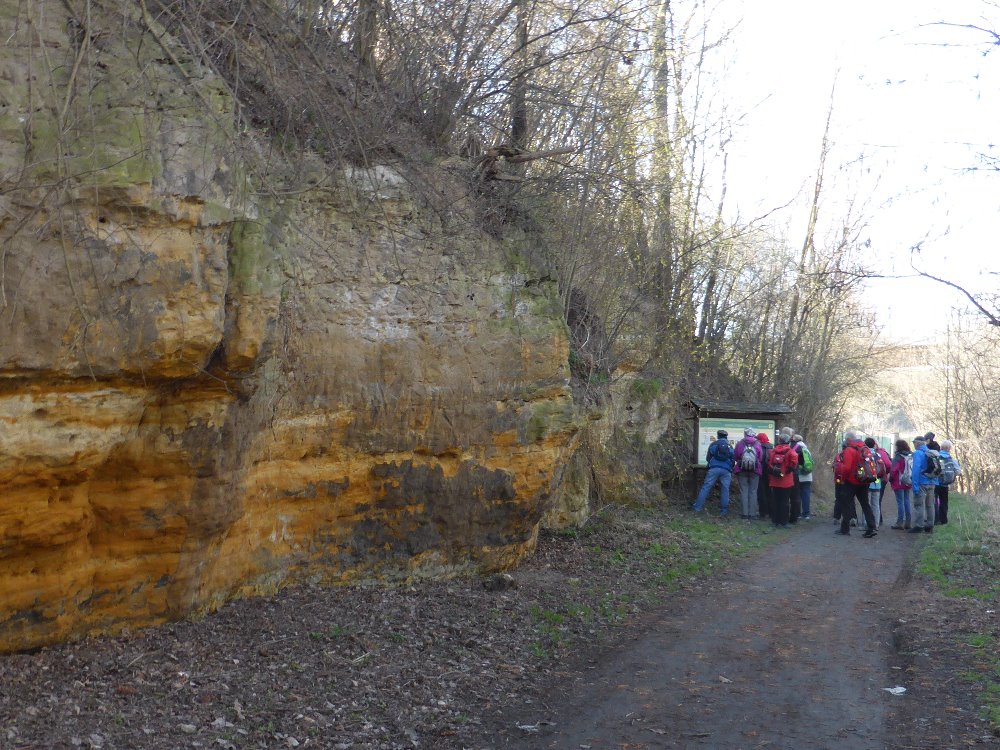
(211, 384)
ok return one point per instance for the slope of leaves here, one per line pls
(363, 667)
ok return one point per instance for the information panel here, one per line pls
(707, 428)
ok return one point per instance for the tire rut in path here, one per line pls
(790, 650)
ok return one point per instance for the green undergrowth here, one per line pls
(963, 560)
(625, 561)
(960, 556)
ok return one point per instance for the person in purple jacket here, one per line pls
(748, 467)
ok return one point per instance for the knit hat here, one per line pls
(919, 439)
(721, 434)
(749, 432)
(782, 438)
(762, 437)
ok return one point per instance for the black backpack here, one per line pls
(723, 452)
(933, 469)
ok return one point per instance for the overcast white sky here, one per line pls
(918, 101)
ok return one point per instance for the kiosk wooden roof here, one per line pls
(741, 409)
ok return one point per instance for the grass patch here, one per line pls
(960, 547)
(962, 560)
(646, 390)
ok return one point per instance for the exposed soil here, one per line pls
(794, 650)
(789, 647)
(931, 634)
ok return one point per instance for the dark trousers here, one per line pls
(795, 501)
(840, 502)
(849, 494)
(780, 501)
(763, 497)
(941, 512)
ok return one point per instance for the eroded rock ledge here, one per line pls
(210, 388)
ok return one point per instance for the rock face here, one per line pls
(210, 388)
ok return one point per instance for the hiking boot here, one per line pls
(928, 529)
(897, 526)
(915, 530)
(869, 533)
(907, 525)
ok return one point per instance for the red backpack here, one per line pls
(778, 463)
(866, 470)
(884, 463)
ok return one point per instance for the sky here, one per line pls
(916, 101)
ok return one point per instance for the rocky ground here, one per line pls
(431, 665)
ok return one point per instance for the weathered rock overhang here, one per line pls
(212, 388)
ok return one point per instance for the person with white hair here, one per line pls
(950, 470)
(794, 494)
(853, 486)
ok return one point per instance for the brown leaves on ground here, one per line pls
(359, 667)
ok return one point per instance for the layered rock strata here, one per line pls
(213, 386)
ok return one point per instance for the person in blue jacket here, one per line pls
(923, 489)
(720, 469)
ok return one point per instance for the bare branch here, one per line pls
(991, 317)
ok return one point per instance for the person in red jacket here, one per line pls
(782, 466)
(851, 487)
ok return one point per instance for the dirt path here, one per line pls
(793, 651)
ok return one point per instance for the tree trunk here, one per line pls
(519, 86)
(366, 32)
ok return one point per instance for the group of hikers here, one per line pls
(776, 481)
(920, 479)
